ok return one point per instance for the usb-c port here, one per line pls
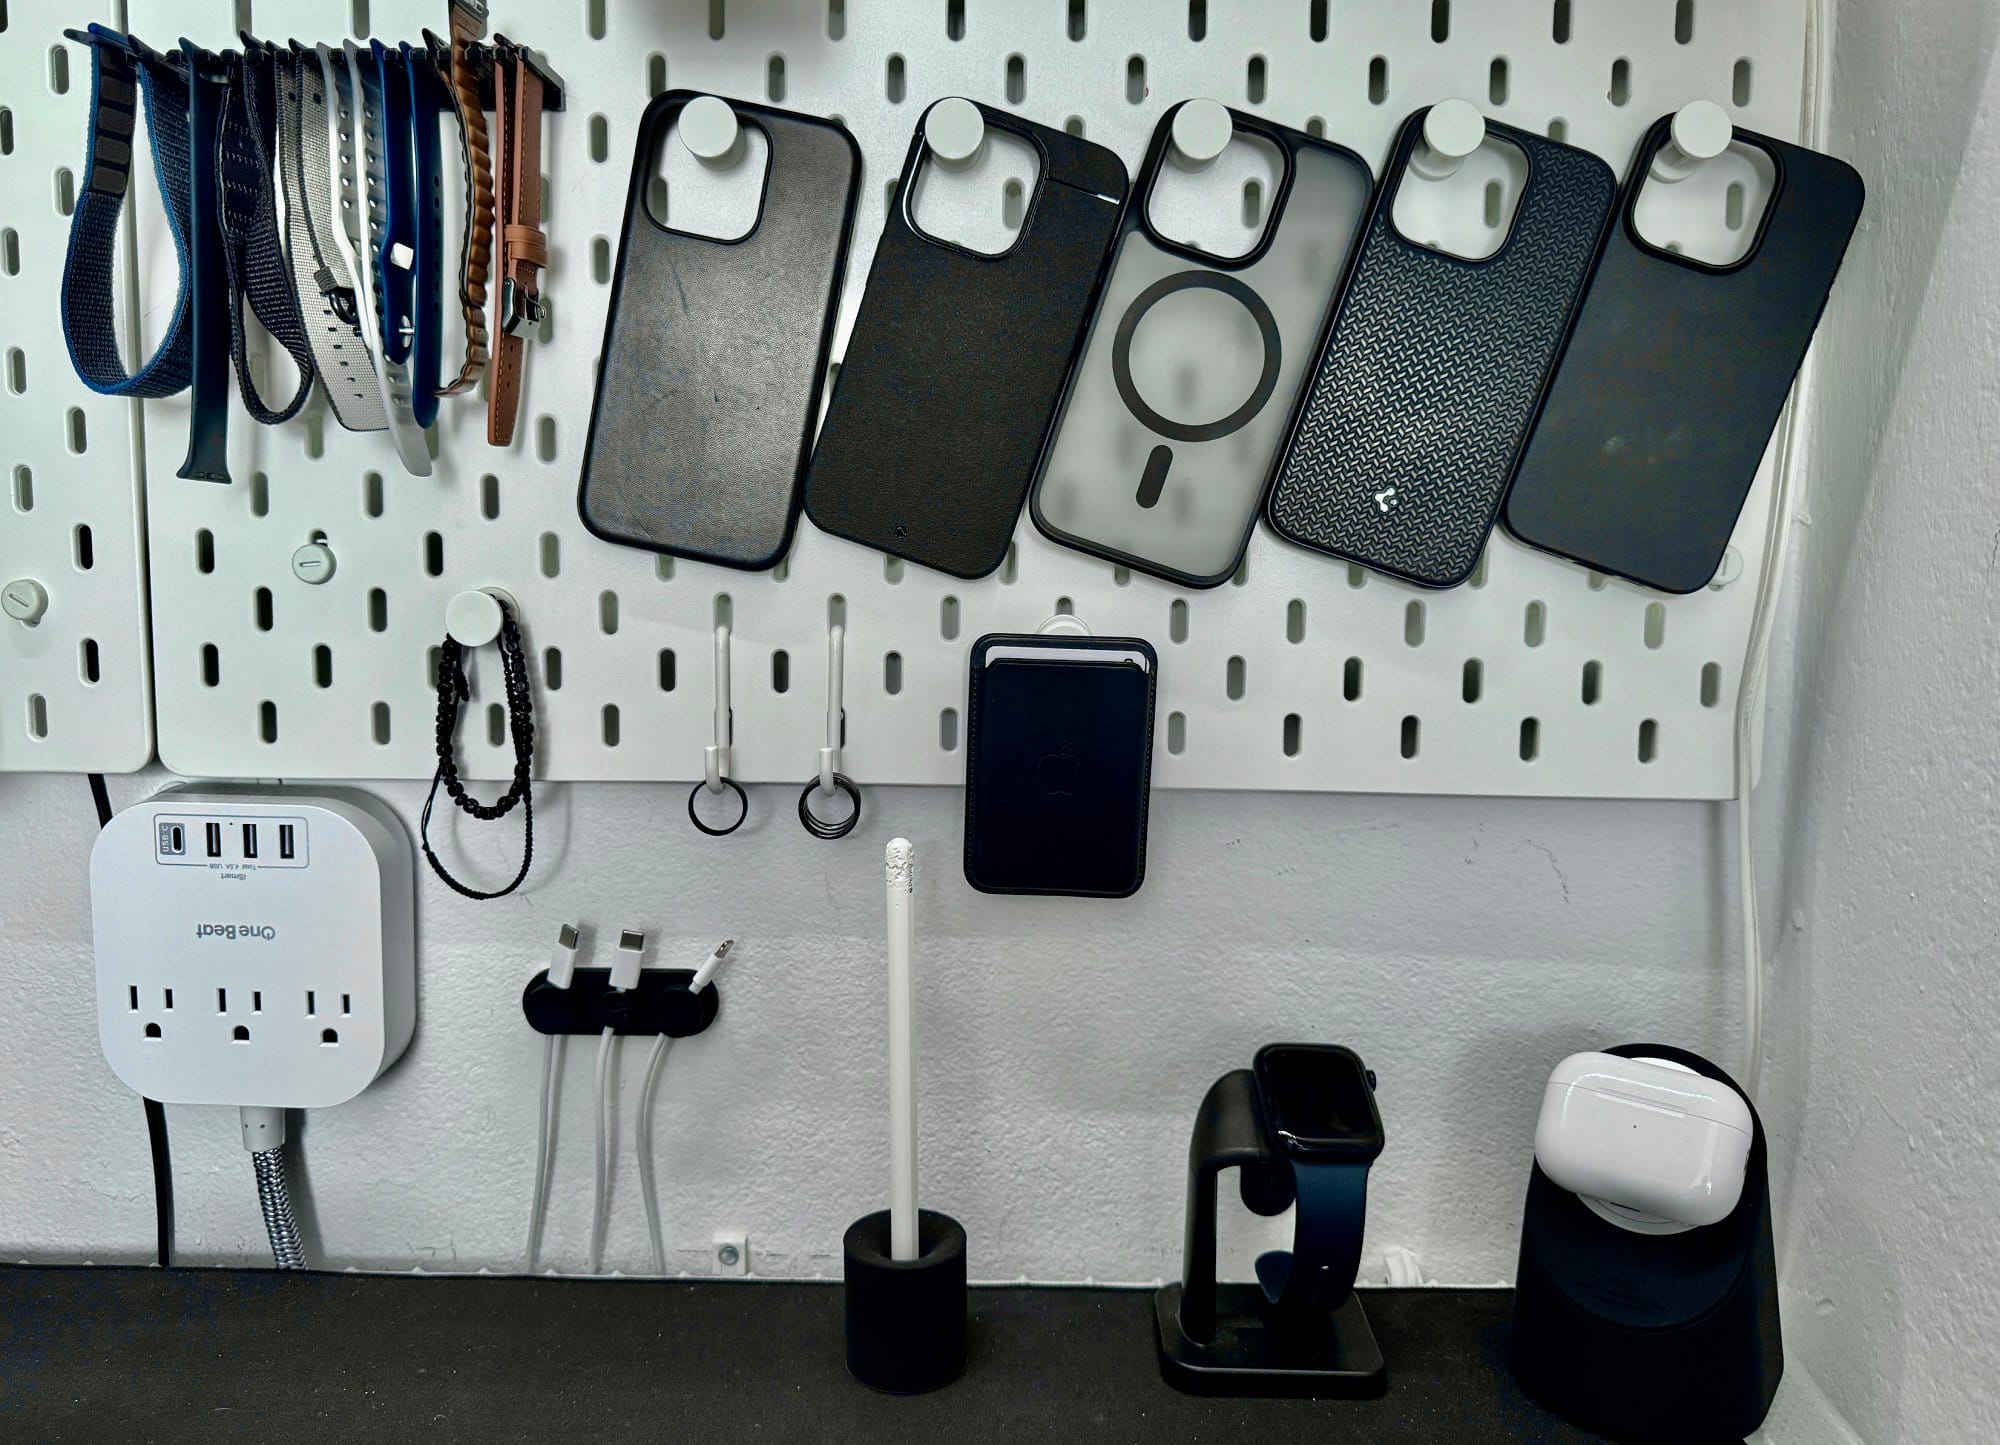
(249, 840)
(286, 843)
(214, 837)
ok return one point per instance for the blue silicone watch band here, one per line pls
(428, 104)
(1325, 1256)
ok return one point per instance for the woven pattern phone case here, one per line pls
(1433, 367)
(957, 363)
(1674, 375)
(715, 353)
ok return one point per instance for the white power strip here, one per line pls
(255, 947)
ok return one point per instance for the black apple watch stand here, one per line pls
(1231, 1339)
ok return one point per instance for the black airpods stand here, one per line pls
(1229, 1339)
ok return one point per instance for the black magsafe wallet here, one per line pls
(1059, 766)
(715, 353)
(957, 364)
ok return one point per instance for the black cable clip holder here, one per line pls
(453, 689)
(660, 1003)
(1228, 1339)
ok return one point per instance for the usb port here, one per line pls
(249, 840)
(173, 839)
(287, 844)
(213, 834)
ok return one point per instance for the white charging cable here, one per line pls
(624, 975)
(1749, 693)
(562, 969)
(643, 1142)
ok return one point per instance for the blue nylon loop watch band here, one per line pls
(119, 64)
(208, 423)
(429, 102)
(259, 273)
(1326, 1237)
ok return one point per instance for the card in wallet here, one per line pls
(1059, 764)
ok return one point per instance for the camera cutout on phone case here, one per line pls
(1713, 214)
(1469, 213)
(982, 206)
(1223, 209)
(718, 204)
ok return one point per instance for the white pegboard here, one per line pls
(75, 694)
(1304, 674)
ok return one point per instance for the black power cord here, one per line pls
(156, 1114)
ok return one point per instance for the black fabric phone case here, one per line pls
(1058, 768)
(957, 364)
(715, 353)
(1673, 378)
(1431, 372)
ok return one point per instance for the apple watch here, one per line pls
(1319, 1110)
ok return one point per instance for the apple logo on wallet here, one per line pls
(1060, 774)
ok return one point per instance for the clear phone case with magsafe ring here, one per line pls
(1179, 405)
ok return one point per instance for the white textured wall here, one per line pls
(1885, 1080)
(1460, 945)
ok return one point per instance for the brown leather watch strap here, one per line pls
(468, 23)
(517, 305)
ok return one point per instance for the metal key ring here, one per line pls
(818, 826)
(743, 812)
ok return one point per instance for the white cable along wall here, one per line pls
(1537, 679)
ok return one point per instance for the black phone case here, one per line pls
(1674, 375)
(957, 364)
(1058, 768)
(715, 353)
(1432, 370)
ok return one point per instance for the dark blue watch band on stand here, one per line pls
(1301, 1329)
(1326, 1236)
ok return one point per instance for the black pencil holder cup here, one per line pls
(905, 1318)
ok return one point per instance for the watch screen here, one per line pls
(1317, 1096)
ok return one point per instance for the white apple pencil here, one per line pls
(899, 865)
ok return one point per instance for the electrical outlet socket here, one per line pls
(255, 946)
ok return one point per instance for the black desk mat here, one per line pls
(131, 1354)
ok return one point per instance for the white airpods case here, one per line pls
(1648, 1138)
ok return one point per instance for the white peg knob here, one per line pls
(1453, 130)
(473, 617)
(711, 132)
(1700, 131)
(25, 600)
(955, 131)
(313, 563)
(1201, 132)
